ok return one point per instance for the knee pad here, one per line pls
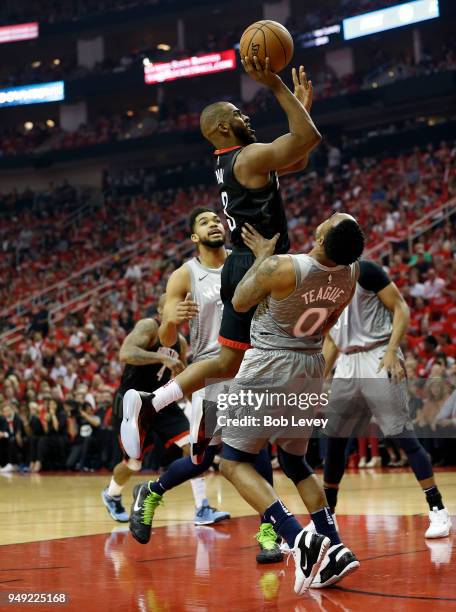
(134, 465)
(294, 466)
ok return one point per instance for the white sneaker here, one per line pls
(133, 402)
(9, 467)
(362, 462)
(374, 462)
(440, 524)
(311, 527)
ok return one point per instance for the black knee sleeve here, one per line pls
(294, 466)
(335, 460)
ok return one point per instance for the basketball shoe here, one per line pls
(142, 512)
(269, 547)
(440, 524)
(133, 403)
(338, 562)
(206, 515)
(308, 553)
(114, 506)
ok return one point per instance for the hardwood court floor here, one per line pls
(57, 537)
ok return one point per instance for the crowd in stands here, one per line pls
(58, 380)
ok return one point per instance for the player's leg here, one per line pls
(347, 414)
(340, 560)
(308, 548)
(440, 524)
(389, 404)
(172, 427)
(193, 378)
(112, 494)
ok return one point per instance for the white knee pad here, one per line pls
(134, 465)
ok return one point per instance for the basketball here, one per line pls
(267, 39)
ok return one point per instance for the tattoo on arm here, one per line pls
(250, 291)
(133, 350)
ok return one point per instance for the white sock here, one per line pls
(199, 490)
(114, 488)
(171, 392)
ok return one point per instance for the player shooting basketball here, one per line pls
(247, 174)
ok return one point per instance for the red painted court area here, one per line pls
(187, 569)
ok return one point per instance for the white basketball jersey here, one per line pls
(205, 326)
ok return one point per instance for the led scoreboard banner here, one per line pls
(32, 94)
(159, 72)
(390, 18)
(21, 31)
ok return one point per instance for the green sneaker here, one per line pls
(142, 511)
(269, 548)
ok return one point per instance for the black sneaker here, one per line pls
(142, 512)
(269, 547)
(133, 404)
(308, 552)
(339, 562)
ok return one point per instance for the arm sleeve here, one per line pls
(372, 277)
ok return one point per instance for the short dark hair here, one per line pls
(344, 243)
(194, 213)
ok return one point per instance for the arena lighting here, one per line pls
(32, 94)
(318, 37)
(164, 47)
(22, 31)
(390, 18)
(159, 72)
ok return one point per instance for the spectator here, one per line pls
(52, 446)
(13, 434)
(85, 432)
(433, 287)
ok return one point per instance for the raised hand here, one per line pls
(261, 74)
(303, 89)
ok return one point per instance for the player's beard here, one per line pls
(213, 244)
(243, 135)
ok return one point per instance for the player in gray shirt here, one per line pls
(299, 298)
(369, 380)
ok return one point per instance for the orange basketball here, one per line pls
(267, 39)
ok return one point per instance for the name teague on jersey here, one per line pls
(296, 322)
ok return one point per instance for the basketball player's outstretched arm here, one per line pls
(134, 348)
(178, 306)
(289, 149)
(303, 91)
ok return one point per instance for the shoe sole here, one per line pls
(437, 537)
(129, 430)
(109, 511)
(351, 567)
(325, 546)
